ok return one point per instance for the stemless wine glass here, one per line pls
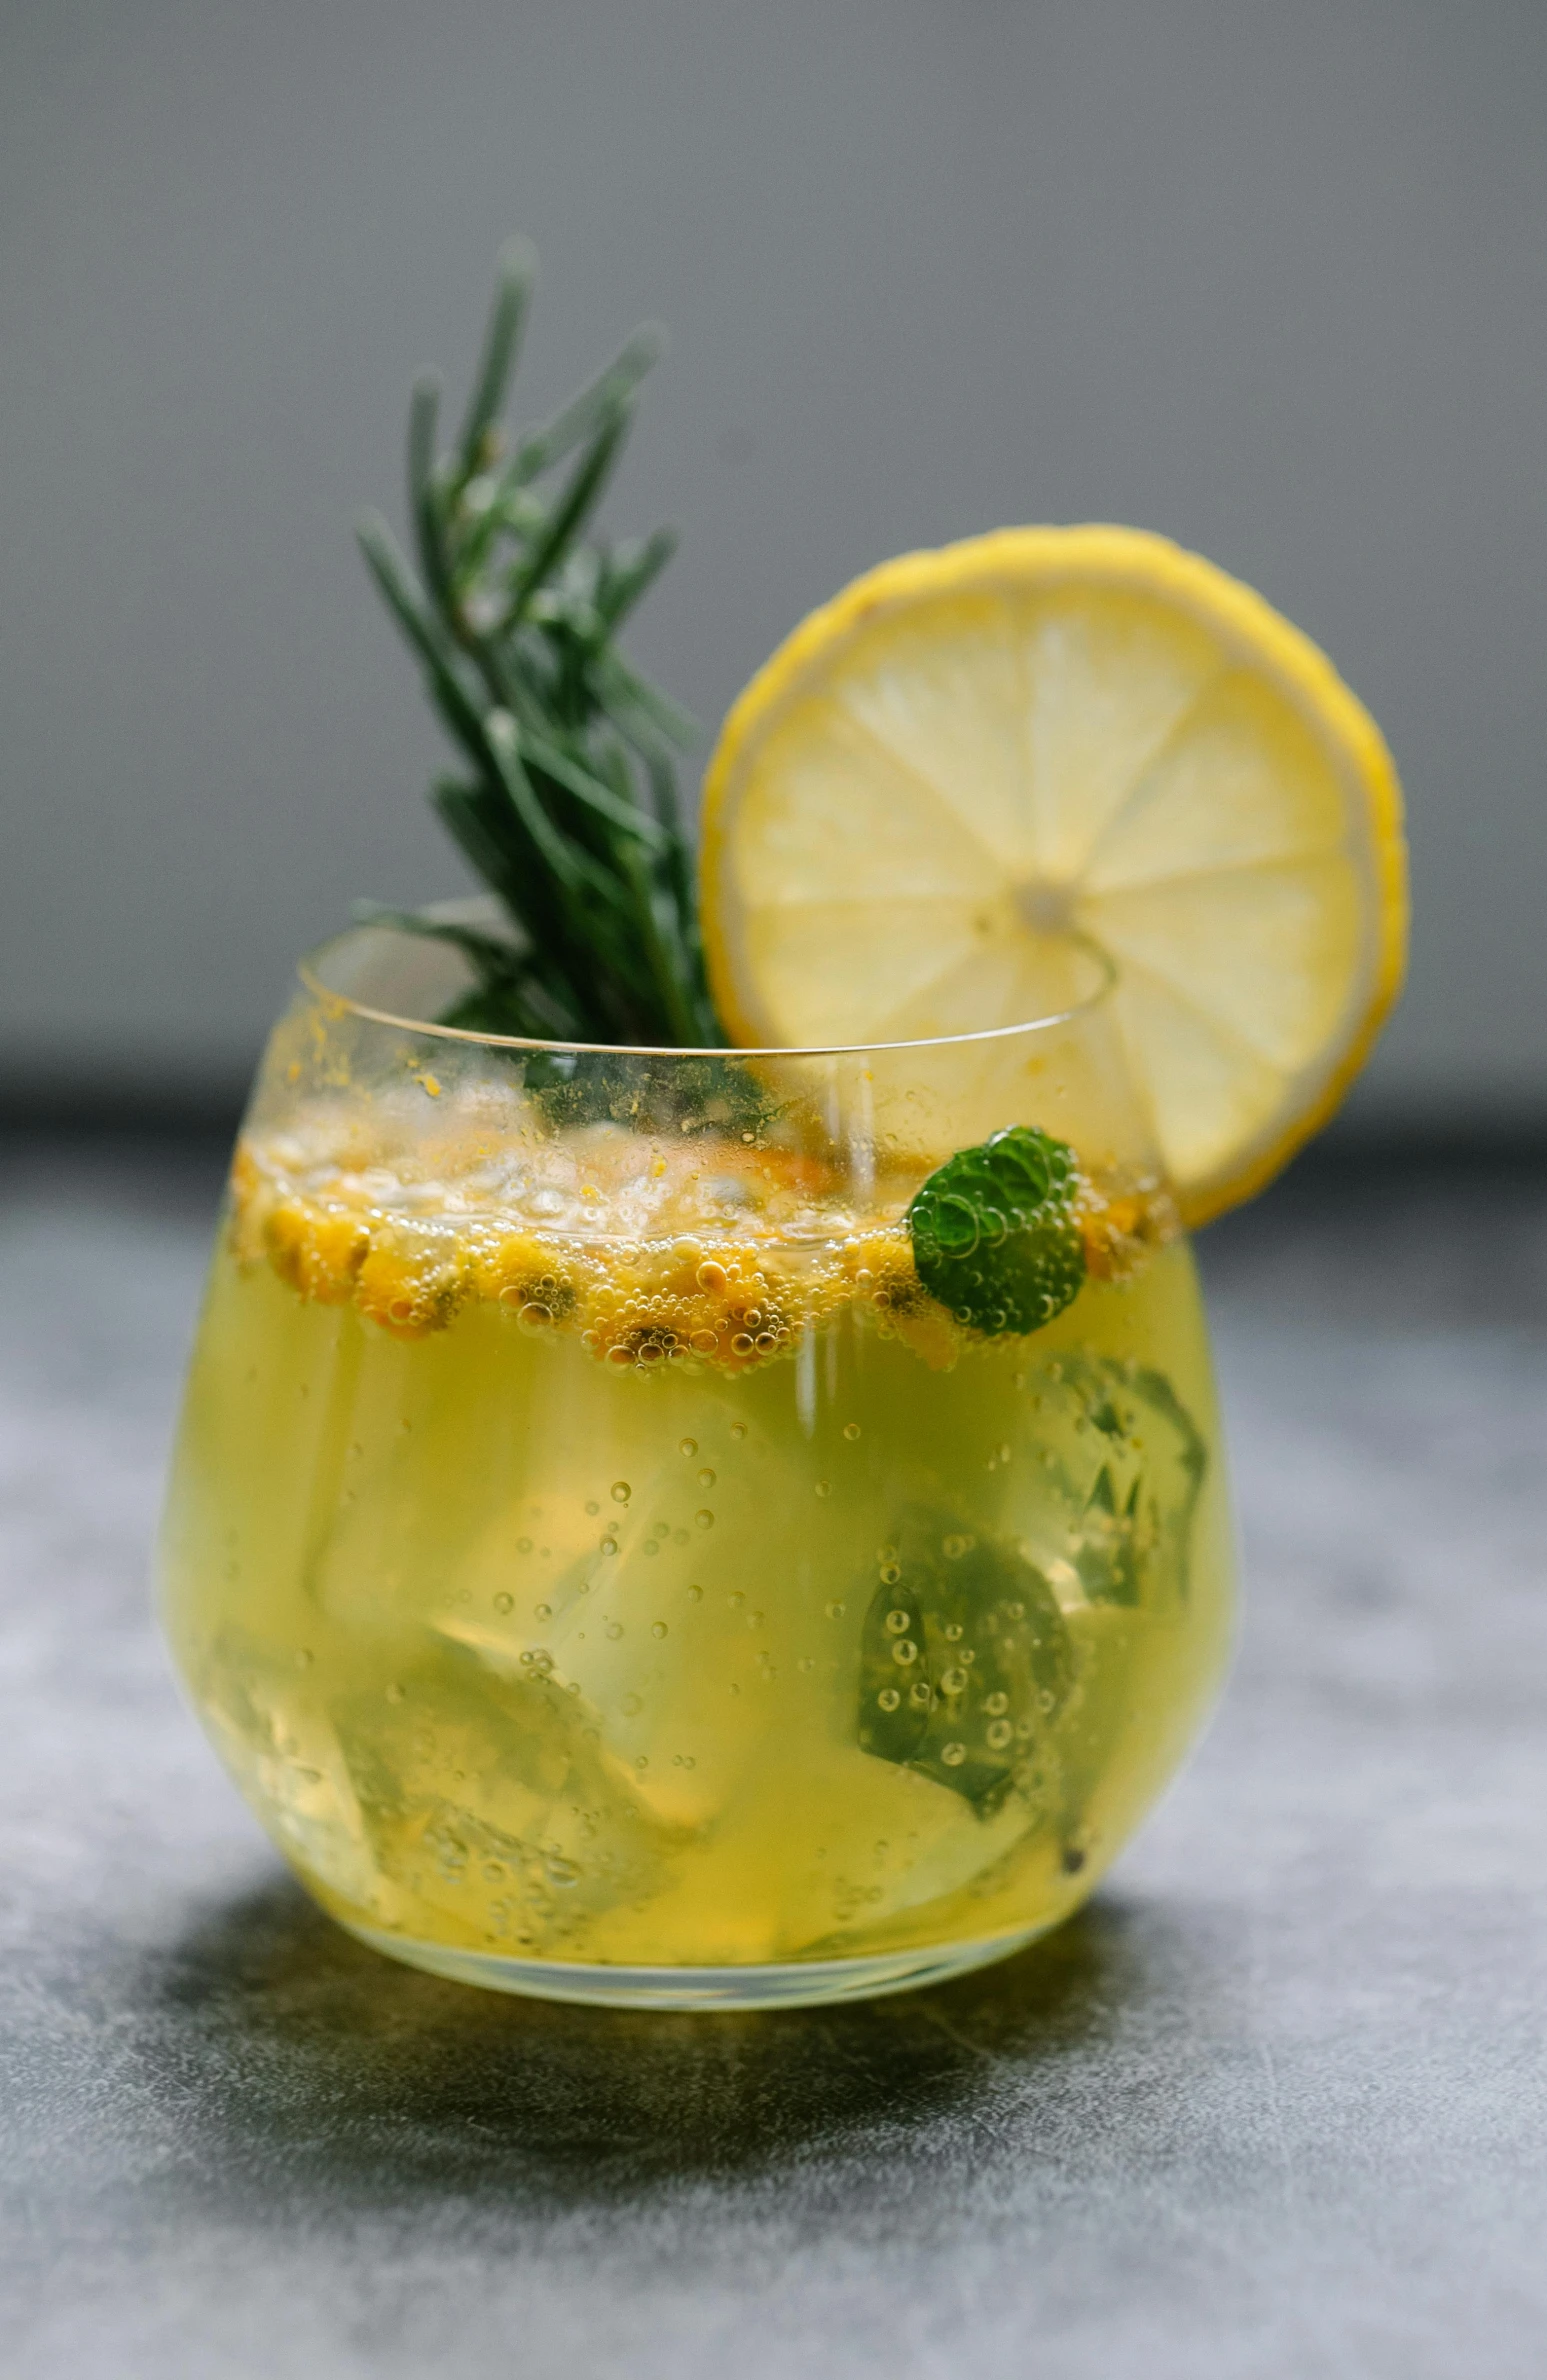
(603, 1565)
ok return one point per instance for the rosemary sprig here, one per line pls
(566, 798)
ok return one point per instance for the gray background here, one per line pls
(1270, 278)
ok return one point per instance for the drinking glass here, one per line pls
(605, 1567)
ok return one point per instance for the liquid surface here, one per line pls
(874, 1636)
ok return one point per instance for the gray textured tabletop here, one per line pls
(1273, 2106)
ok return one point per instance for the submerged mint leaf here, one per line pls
(995, 1234)
(965, 1661)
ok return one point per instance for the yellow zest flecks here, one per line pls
(410, 1255)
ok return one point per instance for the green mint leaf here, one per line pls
(995, 1234)
(965, 1662)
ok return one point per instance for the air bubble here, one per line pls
(689, 1447)
(824, 1487)
(658, 1628)
(504, 1603)
(706, 1479)
(695, 1594)
(703, 1520)
(889, 1698)
(835, 1611)
(614, 1629)
(896, 1623)
(953, 1632)
(851, 1431)
(999, 1734)
(954, 1682)
(919, 1694)
(953, 1754)
(953, 1548)
(523, 1545)
(996, 1705)
(631, 1706)
(905, 1651)
(621, 1491)
(738, 1430)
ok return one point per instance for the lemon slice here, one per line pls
(972, 754)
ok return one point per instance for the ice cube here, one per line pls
(643, 1616)
(280, 1747)
(1122, 1466)
(491, 1800)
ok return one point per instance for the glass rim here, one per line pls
(307, 969)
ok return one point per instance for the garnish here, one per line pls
(995, 1233)
(965, 1661)
(1059, 740)
(567, 803)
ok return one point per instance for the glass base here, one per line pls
(796, 1984)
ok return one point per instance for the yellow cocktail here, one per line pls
(603, 1565)
(706, 1525)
